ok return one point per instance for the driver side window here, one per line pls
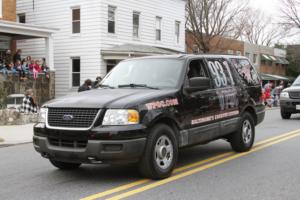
(196, 69)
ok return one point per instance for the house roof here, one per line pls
(133, 50)
(24, 31)
(272, 77)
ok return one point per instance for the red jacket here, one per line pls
(37, 68)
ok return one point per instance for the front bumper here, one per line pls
(122, 151)
(289, 105)
(99, 145)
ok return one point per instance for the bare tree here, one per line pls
(291, 13)
(259, 29)
(208, 20)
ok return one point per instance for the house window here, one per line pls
(110, 64)
(75, 72)
(177, 31)
(136, 24)
(75, 20)
(111, 19)
(254, 58)
(158, 29)
(22, 18)
(247, 55)
(230, 52)
(1, 9)
(195, 49)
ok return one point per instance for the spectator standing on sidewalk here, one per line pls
(97, 82)
(29, 104)
(277, 91)
(86, 86)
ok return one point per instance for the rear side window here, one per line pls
(246, 71)
(221, 72)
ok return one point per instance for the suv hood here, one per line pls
(292, 88)
(108, 98)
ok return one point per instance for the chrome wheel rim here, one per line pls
(247, 131)
(163, 152)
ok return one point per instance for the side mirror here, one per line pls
(198, 84)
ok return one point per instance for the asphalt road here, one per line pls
(270, 171)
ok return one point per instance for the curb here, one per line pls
(273, 108)
(13, 144)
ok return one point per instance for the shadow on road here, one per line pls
(119, 173)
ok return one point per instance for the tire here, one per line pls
(160, 154)
(65, 165)
(242, 140)
(285, 115)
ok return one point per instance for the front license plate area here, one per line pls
(297, 107)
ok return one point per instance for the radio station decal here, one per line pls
(162, 104)
(214, 117)
(228, 98)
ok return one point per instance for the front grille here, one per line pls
(294, 95)
(71, 117)
(67, 143)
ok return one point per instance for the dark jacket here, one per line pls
(17, 57)
(83, 87)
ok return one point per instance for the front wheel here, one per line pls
(65, 165)
(160, 155)
(242, 140)
(285, 115)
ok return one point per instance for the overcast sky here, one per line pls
(272, 8)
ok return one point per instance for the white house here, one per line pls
(96, 34)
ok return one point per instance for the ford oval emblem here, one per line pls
(68, 117)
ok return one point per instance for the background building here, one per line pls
(95, 35)
(11, 32)
(265, 59)
(8, 13)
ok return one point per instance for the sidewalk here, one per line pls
(10, 135)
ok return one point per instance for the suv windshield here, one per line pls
(148, 73)
(297, 81)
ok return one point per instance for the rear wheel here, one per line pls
(65, 165)
(160, 154)
(242, 140)
(285, 115)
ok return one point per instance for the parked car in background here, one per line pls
(290, 100)
(14, 101)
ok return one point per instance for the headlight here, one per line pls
(43, 115)
(284, 95)
(121, 117)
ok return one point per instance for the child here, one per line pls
(19, 69)
(45, 68)
(36, 69)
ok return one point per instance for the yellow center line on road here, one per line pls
(198, 169)
(180, 169)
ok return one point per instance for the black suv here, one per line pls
(146, 109)
(290, 100)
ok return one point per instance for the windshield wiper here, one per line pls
(106, 86)
(133, 85)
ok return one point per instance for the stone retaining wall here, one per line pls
(43, 87)
(13, 117)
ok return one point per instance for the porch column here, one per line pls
(50, 52)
